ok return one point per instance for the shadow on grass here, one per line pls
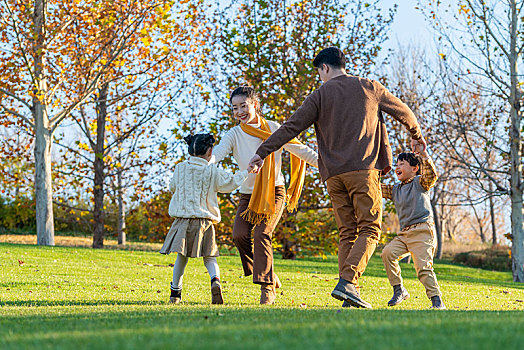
(106, 302)
(260, 327)
(26, 303)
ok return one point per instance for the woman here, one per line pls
(263, 196)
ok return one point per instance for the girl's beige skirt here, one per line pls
(193, 238)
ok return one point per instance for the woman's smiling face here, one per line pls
(244, 109)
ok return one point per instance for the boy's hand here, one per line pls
(255, 164)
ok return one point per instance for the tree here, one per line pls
(43, 43)
(486, 38)
(270, 45)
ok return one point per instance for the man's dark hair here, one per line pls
(411, 158)
(197, 145)
(332, 56)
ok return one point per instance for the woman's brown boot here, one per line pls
(267, 294)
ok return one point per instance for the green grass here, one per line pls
(63, 298)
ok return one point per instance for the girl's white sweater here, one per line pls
(195, 184)
(244, 147)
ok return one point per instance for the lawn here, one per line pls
(63, 298)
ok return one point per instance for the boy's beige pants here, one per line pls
(419, 240)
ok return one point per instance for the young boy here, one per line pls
(417, 232)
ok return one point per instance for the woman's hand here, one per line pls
(255, 164)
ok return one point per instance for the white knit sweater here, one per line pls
(195, 184)
(244, 147)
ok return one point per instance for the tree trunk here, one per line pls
(121, 212)
(98, 189)
(479, 222)
(517, 231)
(438, 229)
(45, 230)
(492, 214)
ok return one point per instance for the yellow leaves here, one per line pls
(82, 146)
(463, 9)
(146, 41)
(442, 56)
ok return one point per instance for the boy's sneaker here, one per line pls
(346, 291)
(399, 295)
(216, 292)
(436, 303)
(176, 296)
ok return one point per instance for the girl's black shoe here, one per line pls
(176, 295)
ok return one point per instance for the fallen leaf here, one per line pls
(20, 262)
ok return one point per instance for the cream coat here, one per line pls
(195, 184)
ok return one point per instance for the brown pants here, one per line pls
(421, 243)
(356, 197)
(256, 253)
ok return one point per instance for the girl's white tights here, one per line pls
(210, 262)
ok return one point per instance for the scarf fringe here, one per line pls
(255, 218)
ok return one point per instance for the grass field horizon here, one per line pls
(65, 297)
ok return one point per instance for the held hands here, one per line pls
(255, 164)
(419, 146)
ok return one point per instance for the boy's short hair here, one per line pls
(332, 56)
(411, 158)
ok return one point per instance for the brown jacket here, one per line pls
(350, 129)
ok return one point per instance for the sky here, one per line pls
(409, 24)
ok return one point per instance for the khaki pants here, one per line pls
(356, 197)
(420, 241)
(256, 250)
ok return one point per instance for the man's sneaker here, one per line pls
(346, 304)
(399, 295)
(346, 291)
(176, 296)
(216, 292)
(436, 303)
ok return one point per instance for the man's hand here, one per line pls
(255, 164)
(418, 146)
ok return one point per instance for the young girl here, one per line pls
(263, 196)
(194, 206)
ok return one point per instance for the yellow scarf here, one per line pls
(262, 203)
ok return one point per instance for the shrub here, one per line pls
(496, 258)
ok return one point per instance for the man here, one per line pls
(353, 152)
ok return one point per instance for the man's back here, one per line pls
(351, 134)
